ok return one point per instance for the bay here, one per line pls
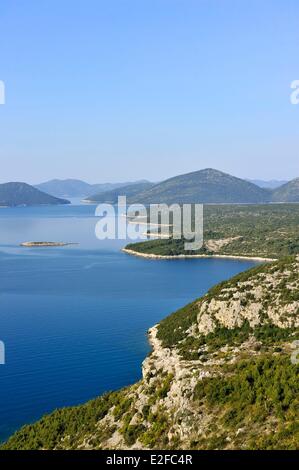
(74, 318)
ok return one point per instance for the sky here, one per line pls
(119, 90)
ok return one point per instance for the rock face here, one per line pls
(266, 296)
(220, 375)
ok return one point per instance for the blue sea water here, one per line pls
(74, 319)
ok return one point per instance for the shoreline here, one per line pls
(215, 256)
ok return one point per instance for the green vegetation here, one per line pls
(156, 435)
(173, 330)
(204, 186)
(238, 281)
(254, 395)
(268, 335)
(191, 348)
(248, 230)
(165, 387)
(251, 395)
(66, 427)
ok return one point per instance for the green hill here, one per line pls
(288, 192)
(22, 194)
(66, 188)
(111, 196)
(220, 376)
(204, 186)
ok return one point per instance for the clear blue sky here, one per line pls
(127, 89)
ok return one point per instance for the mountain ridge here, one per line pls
(206, 186)
(203, 186)
(111, 197)
(71, 187)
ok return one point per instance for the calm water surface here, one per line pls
(74, 319)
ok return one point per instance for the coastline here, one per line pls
(169, 257)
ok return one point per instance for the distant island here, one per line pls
(38, 244)
(207, 186)
(77, 188)
(15, 194)
(111, 197)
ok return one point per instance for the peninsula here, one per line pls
(263, 231)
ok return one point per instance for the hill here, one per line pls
(77, 188)
(22, 194)
(65, 188)
(204, 186)
(288, 192)
(130, 190)
(269, 184)
(220, 376)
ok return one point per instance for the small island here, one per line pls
(38, 244)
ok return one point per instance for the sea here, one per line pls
(74, 319)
